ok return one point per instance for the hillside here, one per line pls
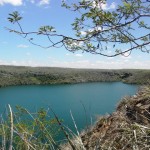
(17, 75)
(128, 128)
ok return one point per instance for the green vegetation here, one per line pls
(13, 75)
(24, 130)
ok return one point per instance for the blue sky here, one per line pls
(15, 50)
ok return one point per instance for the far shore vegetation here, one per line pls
(20, 75)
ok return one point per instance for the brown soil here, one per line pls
(127, 128)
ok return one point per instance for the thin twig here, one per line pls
(11, 127)
(64, 131)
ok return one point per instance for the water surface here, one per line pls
(85, 100)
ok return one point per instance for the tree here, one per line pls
(96, 28)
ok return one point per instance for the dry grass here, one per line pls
(126, 129)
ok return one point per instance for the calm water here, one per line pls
(97, 98)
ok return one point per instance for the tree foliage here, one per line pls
(122, 29)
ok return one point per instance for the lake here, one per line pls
(85, 100)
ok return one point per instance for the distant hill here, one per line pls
(19, 75)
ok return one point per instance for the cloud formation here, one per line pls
(74, 55)
(44, 2)
(20, 2)
(104, 6)
(12, 2)
(22, 46)
(107, 7)
(110, 64)
(85, 63)
(78, 55)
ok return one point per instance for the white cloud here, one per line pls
(44, 2)
(12, 2)
(126, 55)
(67, 54)
(78, 55)
(75, 55)
(72, 64)
(90, 30)
(83, 33)
(111, 64)
(104, 6)
(109, 51)
(112, 6)
(76, 43)
(107, 7)
(95, 29)
(22, 46)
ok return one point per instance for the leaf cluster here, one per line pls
(14, 17)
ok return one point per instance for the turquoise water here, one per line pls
(85, 100)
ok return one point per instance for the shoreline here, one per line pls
(12, 75)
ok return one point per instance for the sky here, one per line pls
(15, 50)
